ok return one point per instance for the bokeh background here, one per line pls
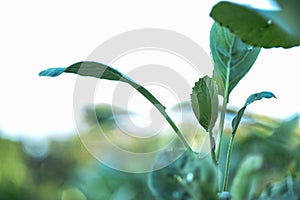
(41, 154)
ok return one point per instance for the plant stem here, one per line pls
(160, 108)
(213, 148)
(175, 128)
(223, 109)
(228, 163)
(221, 127)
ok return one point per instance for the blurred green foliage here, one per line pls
(274, 153)
(265, 165)
(66, 172)
(191, 176)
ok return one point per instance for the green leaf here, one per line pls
(102, 71)
(289, 16)
(205, 102)
(232, 58)
(94, 69)
(254, 97)
(97, 70)
(261, 28)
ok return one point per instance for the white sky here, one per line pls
(40, 34)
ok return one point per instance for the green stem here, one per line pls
(160, 108)
(213, 148)
(175, 128)
(223, 113)
(221, 127)
(223, 109)
(228, 163)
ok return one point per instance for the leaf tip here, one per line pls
(269, 94)
(52, 72)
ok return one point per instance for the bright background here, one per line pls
(39, 34)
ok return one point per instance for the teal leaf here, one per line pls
(259, 96)
(97, 70)
(232, 58)
(205, 102)
(102, 71)
(88, 68)
(53, 72)
(254, 97)
(261, 28)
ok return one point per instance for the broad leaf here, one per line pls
(261, 28)
(205, 102)
(254, 97)
(232, 58)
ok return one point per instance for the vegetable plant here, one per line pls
(236, 38)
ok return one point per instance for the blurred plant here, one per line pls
(287, 189)
(14, 175)
(68, 171)
(234, 51)
(186, 178)
(97, 181)
(102, 114)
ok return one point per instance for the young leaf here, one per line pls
(261, 28)
(232, 58)
(259, 96)
(101, 71)
(254, 97)
(205, 102)
(94, 69)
